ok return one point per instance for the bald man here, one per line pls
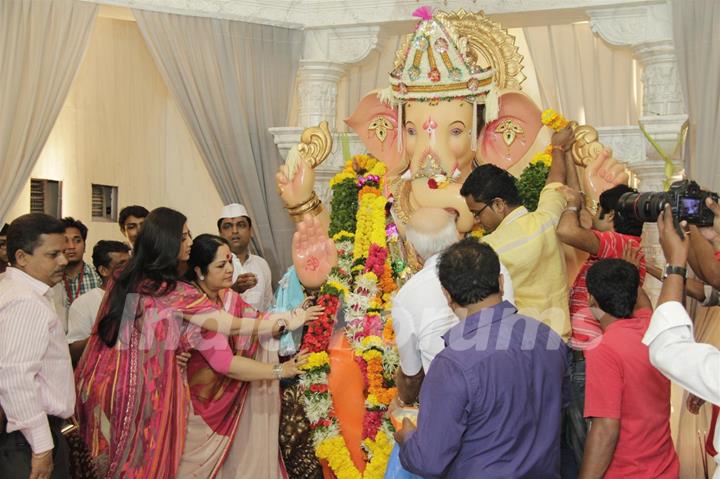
(421, 314)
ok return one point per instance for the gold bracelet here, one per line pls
(305, 208)
(314, 209)
(312, 198)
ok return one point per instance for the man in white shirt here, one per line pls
(673, 350)
(37, 391)
(108, 258)
(252, 277)
(421, 314)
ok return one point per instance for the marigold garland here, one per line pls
(553, 119)
(364, 279)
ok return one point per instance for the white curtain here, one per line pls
(696, 32)
(233, 81)
(582, 77)
(42, 43)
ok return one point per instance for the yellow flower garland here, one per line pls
(557, 122)
(316, 360)
(334, 451)
(370, 229)
(553, 119)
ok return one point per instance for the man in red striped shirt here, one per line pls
(607, 238)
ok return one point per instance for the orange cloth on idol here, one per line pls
(347, 389)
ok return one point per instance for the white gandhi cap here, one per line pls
(233, 210)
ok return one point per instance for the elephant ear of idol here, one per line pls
(510, 140)
(376, 123)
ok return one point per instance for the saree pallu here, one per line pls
(132, 399)
(233, 426)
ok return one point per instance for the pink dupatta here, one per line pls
(219, 403)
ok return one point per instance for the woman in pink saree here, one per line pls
(133, 399)
(232, 429)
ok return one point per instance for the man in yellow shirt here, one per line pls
(526, 241)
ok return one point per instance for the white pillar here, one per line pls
(317, 92)
(647, 30)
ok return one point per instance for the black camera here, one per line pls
(685, 197)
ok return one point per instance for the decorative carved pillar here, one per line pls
(317, 92)
(647, 29)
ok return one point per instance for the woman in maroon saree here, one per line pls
(233, 425)
(133, 400)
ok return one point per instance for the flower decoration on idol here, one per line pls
(362, 282)
(554, 120)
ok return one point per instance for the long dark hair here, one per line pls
(203, 253)
(153, 265)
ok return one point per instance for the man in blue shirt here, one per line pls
(492, 400)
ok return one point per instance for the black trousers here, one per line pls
(15, 454)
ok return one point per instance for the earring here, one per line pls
(202, 278)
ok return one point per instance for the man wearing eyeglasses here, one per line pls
(526, 241)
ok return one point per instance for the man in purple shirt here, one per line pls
(492, 400)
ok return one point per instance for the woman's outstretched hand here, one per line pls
(293, 367)
(299, 316)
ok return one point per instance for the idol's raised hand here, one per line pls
(603, 173)
(295, 180)
(314, 253)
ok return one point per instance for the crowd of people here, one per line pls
(516, 373)
(58, 313)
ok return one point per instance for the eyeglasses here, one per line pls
(476, 214)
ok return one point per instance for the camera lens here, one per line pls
(643, 207)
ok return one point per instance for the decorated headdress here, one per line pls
(454, 55)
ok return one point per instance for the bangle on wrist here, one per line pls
(558, 148)
(404, 404)
(572, 208)
(277, 371)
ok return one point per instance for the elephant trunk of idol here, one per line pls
(422, 196)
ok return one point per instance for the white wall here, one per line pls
(120, 127)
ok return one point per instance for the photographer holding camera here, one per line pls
(673, 350)
(704, 256)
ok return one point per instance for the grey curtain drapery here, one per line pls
(233, 81)
(696, 33)
(42, 43)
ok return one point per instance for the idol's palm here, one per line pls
(314, 253)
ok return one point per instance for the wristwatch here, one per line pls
(277, 371)
(670, 269)
(282, 326)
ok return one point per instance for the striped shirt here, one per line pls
(36, 377)
(586, 330)
(70, 289)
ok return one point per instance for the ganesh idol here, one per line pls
(454, 101)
